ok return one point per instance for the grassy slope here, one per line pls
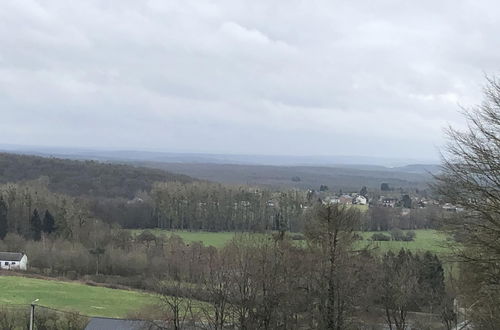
(88, 300)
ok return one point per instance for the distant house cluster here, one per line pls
(347, 199)
(452, 208)
(13, 261)
(391, 199)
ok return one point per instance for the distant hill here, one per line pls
(348, 178)
(84, 177)
(205, 158)
(419, 168)
(338, 172)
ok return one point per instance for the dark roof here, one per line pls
(11, 256)
(102, 323)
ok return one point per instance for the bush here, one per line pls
(357, 237)
(380, 237)
(397, 234)
(410, 236)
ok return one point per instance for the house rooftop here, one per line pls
(11, 256)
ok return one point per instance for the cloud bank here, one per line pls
(250, 77)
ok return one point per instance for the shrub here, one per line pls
(410, 236)
(380, 237)
(397, 234)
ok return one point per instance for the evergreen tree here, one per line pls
(3, 218)
(48, 223)
(36, 226)
(406, 201)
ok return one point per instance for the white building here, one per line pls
(13, 261)
(331, 200)
(361, 200)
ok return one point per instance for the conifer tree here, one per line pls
(36, 226)
(3, 218)
(48, 223)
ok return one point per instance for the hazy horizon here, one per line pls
(151, 155)
(320, 78)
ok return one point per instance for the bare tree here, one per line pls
(331, 233)
(398, 285)
(177, 305)
(471, 178)
(217, 287)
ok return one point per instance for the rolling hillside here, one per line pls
(90, 178)
(348, 178)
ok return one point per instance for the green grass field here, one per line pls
(207, 238)
(72, 296)
(426, 240)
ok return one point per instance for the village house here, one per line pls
(13, 261)
(389, 202)
(360, 200)
(345, 199)
(331, 200)
(452, 208)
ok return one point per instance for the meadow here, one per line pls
(425, 240)
(215, 239)
(72, 296)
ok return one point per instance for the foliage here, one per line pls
(49, 224)
(3, 218)
(36, 226)
(380, 237)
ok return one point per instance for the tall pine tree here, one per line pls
(49, 224)
(3, 218)
(36, 226)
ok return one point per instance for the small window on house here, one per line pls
(6, 263)
(13, 263)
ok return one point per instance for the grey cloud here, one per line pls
(326, 77)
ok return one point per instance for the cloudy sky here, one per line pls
(371, 78)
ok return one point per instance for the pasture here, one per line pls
(425, 240)
(216, 239)
(72, 296)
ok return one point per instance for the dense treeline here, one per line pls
(30, 209)
(217, 207)
(77, 178)
(379, 218)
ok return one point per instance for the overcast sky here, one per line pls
(372, 78)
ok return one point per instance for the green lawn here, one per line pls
(426, 240)
(88, 300)
(207, 238)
